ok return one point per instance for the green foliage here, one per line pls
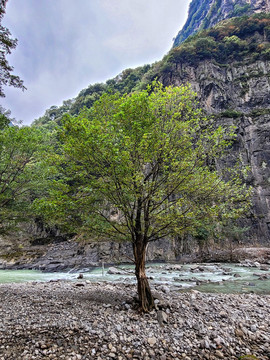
(259, 112)
(125, 82)
(137, 164)
(5, 119)
(202, 16)
(197, 11)
(230, 113)
(240, 10)
(6, 45)
(231, 40)
(21, 172)
(211, 14)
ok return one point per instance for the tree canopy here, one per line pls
(138, 168)
(6, 45)
(21, 172)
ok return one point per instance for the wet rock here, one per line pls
(115, 271)
(236, 275)
(264, 268)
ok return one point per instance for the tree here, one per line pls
(21, 152)
(5, 118)
(6, 45)
(138, 170)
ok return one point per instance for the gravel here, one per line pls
(84, 320)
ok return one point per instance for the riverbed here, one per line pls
(83, 320)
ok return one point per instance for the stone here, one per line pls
(80, 284)
(162, 317)
(219, 354)
(115, 271)
(151, 341)
(239, 333)
(236, 275)
(165, 289)
(223, 314)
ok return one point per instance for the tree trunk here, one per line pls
(144, 292)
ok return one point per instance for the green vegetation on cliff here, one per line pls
(238, 39)
(205, 14)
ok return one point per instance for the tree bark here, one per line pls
(144, 292)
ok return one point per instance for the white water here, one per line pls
(214, 278)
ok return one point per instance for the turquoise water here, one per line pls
(9, 276)
(217, 278)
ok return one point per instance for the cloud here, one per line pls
(66, 45)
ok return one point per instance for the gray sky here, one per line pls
(65, 45)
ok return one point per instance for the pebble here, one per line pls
(57, 320)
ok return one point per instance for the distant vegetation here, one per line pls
(231, 40)
(124, 83)
(202, 16)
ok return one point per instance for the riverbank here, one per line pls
(75, 256)
(85, 320)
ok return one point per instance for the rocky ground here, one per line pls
(83, 320)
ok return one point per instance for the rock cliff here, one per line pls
(205, 14)
(251, 115)
(234, 86)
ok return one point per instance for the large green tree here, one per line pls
(140, 168)
(7, 44)
(22, 152)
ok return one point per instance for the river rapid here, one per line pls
(213, 278)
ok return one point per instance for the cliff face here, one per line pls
(233, 85)
(239, 94)
(204, 14)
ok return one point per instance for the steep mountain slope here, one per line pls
(205, 14)
(229, 67)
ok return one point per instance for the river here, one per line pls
(220, 278)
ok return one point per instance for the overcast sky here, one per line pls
(65, 45)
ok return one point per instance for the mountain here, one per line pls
(228, 65)
(204, 14)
